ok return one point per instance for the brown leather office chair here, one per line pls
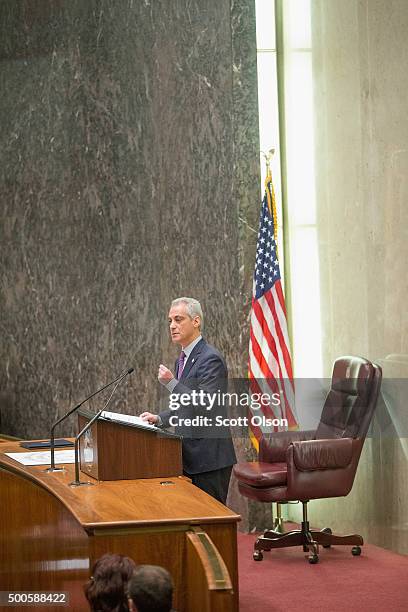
(304, 465)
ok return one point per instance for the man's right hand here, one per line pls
(149, 417)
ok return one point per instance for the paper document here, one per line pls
(43, 458)
(126, 418)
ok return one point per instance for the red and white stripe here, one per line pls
(270, 363)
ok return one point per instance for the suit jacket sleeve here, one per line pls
(210, 376)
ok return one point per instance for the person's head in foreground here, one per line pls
(106, 590)
(150, 588)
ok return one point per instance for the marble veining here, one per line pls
(128, 153)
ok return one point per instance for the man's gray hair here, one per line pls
(193, 308)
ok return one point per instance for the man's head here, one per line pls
(185, 320)
(150, 588)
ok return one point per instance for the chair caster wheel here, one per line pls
(356, 551)
(313, 559)
(329, 531)
(258, 555)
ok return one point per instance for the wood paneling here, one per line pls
(118, 451)
(43, 547)
(52, 534)
(124, 502)
(207, 574)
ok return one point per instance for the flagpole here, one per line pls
(268, 158)
(278, 521)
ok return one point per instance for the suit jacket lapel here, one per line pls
(192, 357)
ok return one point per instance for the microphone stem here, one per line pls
(77, 481)
(74, 409)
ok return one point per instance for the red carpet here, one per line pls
(284, 580)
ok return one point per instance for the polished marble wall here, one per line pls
(128, 175)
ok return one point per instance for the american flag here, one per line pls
(270, 363)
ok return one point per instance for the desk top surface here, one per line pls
(123, 503)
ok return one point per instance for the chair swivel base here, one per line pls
(278, 526)
(309, 539)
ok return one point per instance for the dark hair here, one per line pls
(151, 588)
(106, 590)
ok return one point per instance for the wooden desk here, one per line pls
(52, 534)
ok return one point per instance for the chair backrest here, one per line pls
(352, 399)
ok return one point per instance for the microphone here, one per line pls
(77, 482)
(52, 467)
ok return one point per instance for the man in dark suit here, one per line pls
(200, 380)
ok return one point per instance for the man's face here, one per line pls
(183, 329)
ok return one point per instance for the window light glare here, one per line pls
(299, 23)
(305, 284)
(268, 101)
(300, 139)
(265, 24)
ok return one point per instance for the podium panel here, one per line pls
(52, 534)
(111, 450)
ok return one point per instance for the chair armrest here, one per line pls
(322, 454)
(273, 448)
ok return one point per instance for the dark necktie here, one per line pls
(180, 365)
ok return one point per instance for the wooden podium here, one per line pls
(51, 534)
(113, 450)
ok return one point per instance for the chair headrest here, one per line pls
(352, 375)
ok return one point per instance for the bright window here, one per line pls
(296, 121)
